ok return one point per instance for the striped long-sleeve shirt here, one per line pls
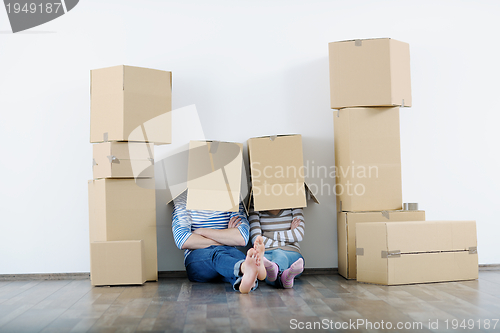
(184, 221)
(275, 229)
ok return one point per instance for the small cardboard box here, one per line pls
(123, 160)
(416, 252)
(277, 172)
(121, 209)
(367, 159)
(116, 263)
(369, 72)
(130, 104)
(215, 176)
(346, 233)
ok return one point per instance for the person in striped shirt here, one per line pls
(281, 231)
(209, 239)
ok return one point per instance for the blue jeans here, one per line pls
(215, 263)
(284, 259)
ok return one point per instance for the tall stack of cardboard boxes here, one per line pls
(369, 82)
(130, 112)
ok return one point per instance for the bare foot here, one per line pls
(259, 247)
(249, 269)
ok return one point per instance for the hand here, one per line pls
(295, 223)
(234, 222)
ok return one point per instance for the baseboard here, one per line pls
(51, 276)
(489, 267)
(176, 274)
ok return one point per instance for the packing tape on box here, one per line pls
(94, 163)
(410, 206)
(273, 137)
(214, 146)
(360, 251)
(152, 160)
(338, 113)
(386, 214)
(358, 42)
(391, 254)
(403, 103)
(105, 136)
(113, 159)
(473, 250)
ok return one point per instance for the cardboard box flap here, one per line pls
(276, 202)
(431, 236)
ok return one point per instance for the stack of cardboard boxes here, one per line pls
(130, 112)
(369, 82)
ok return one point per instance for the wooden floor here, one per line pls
(176, 305)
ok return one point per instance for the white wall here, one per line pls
(251, 68)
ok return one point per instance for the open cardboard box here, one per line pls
(130, 104)
(416, 252)
(277, 172)
(369, 72)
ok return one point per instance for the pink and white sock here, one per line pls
(289, 274)
(271, 269)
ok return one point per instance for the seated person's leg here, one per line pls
(232, 265)
(199, 266)
(295, 269)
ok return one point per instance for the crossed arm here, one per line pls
(205, 237)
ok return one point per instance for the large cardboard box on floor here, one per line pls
(125, 209)
(215, 176)
(416, 252)
(369, 72)
(277, 172)
(130, 104)
(367, 159)
(123, 160)
(347, 223)
(118, 262)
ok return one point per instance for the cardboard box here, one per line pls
(346, 233)
(116, 263)
(367, 159)
(369, 72)
(130, 104)
(123, 160)
(277, 172)
(215, 176)
(416, 252)
(120, 209)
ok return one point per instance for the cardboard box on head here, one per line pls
(130, 104)
(123, 160)
(369, 72)
(346, 233)
(277, 172)
(213, 174)
(367, 159)
(416, 252)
